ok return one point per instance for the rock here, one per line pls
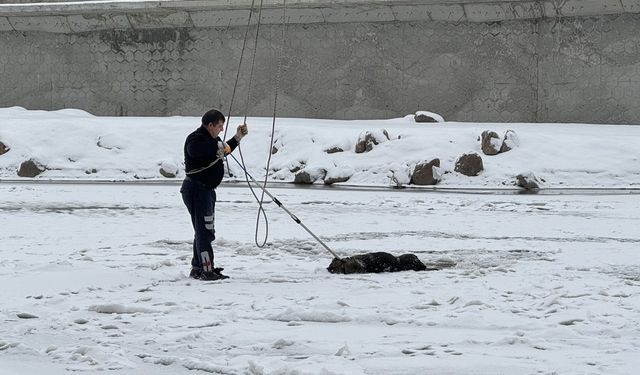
(491, 142)
(30, 168)
(338, 174)
(368, 139)
(274, 149)
(4, 148)
(510, 141)
(333, 150)
(424, 116)
(168, 169)
(309, 175)
(302, 177)
(528, 181)
(333, 180)
(469, 164)
(168, 174)
(424, 173)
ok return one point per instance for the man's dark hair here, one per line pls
(214, 116)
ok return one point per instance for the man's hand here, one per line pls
(220, 150)
(241, 132)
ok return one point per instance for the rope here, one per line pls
(273, 126)
(293, 217)
(241, 163)
(198, 170)
(253, 63)
(233, 94)
(261, 210)
(235, 85)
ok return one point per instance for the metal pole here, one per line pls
(294, 217)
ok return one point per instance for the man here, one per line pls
(203, 160)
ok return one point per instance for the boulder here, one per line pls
(309, 175)
(337, 174)
(425, 174)
(368, 139)
(510, 141)
(333, 180)
(333, 150)
(30, 168)
(469, 164)
(424, 116)
(303, 178)
(491, 142)
(168, 169)
(528, 181)
(3, 148)
(274, 149)
(168, 173)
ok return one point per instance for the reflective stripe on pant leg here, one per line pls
(208, 222)
(207, 265)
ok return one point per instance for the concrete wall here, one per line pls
(530, 61)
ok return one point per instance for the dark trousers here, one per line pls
(201, 203)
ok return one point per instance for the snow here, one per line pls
(72, 144)
(94, 277)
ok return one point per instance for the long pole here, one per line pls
(294, 217)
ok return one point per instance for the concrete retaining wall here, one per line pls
(530, 61)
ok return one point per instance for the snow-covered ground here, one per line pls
(542, 284)
(94, 277)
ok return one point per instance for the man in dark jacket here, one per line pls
(204, 152)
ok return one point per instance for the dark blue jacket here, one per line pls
(200, 150)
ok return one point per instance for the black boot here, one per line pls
(212, 275)
(195, 273)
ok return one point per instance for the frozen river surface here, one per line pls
(94, 277)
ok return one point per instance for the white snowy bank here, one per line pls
(72, 144)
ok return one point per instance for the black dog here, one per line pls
(376, 263)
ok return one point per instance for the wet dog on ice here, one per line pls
(376, 263)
